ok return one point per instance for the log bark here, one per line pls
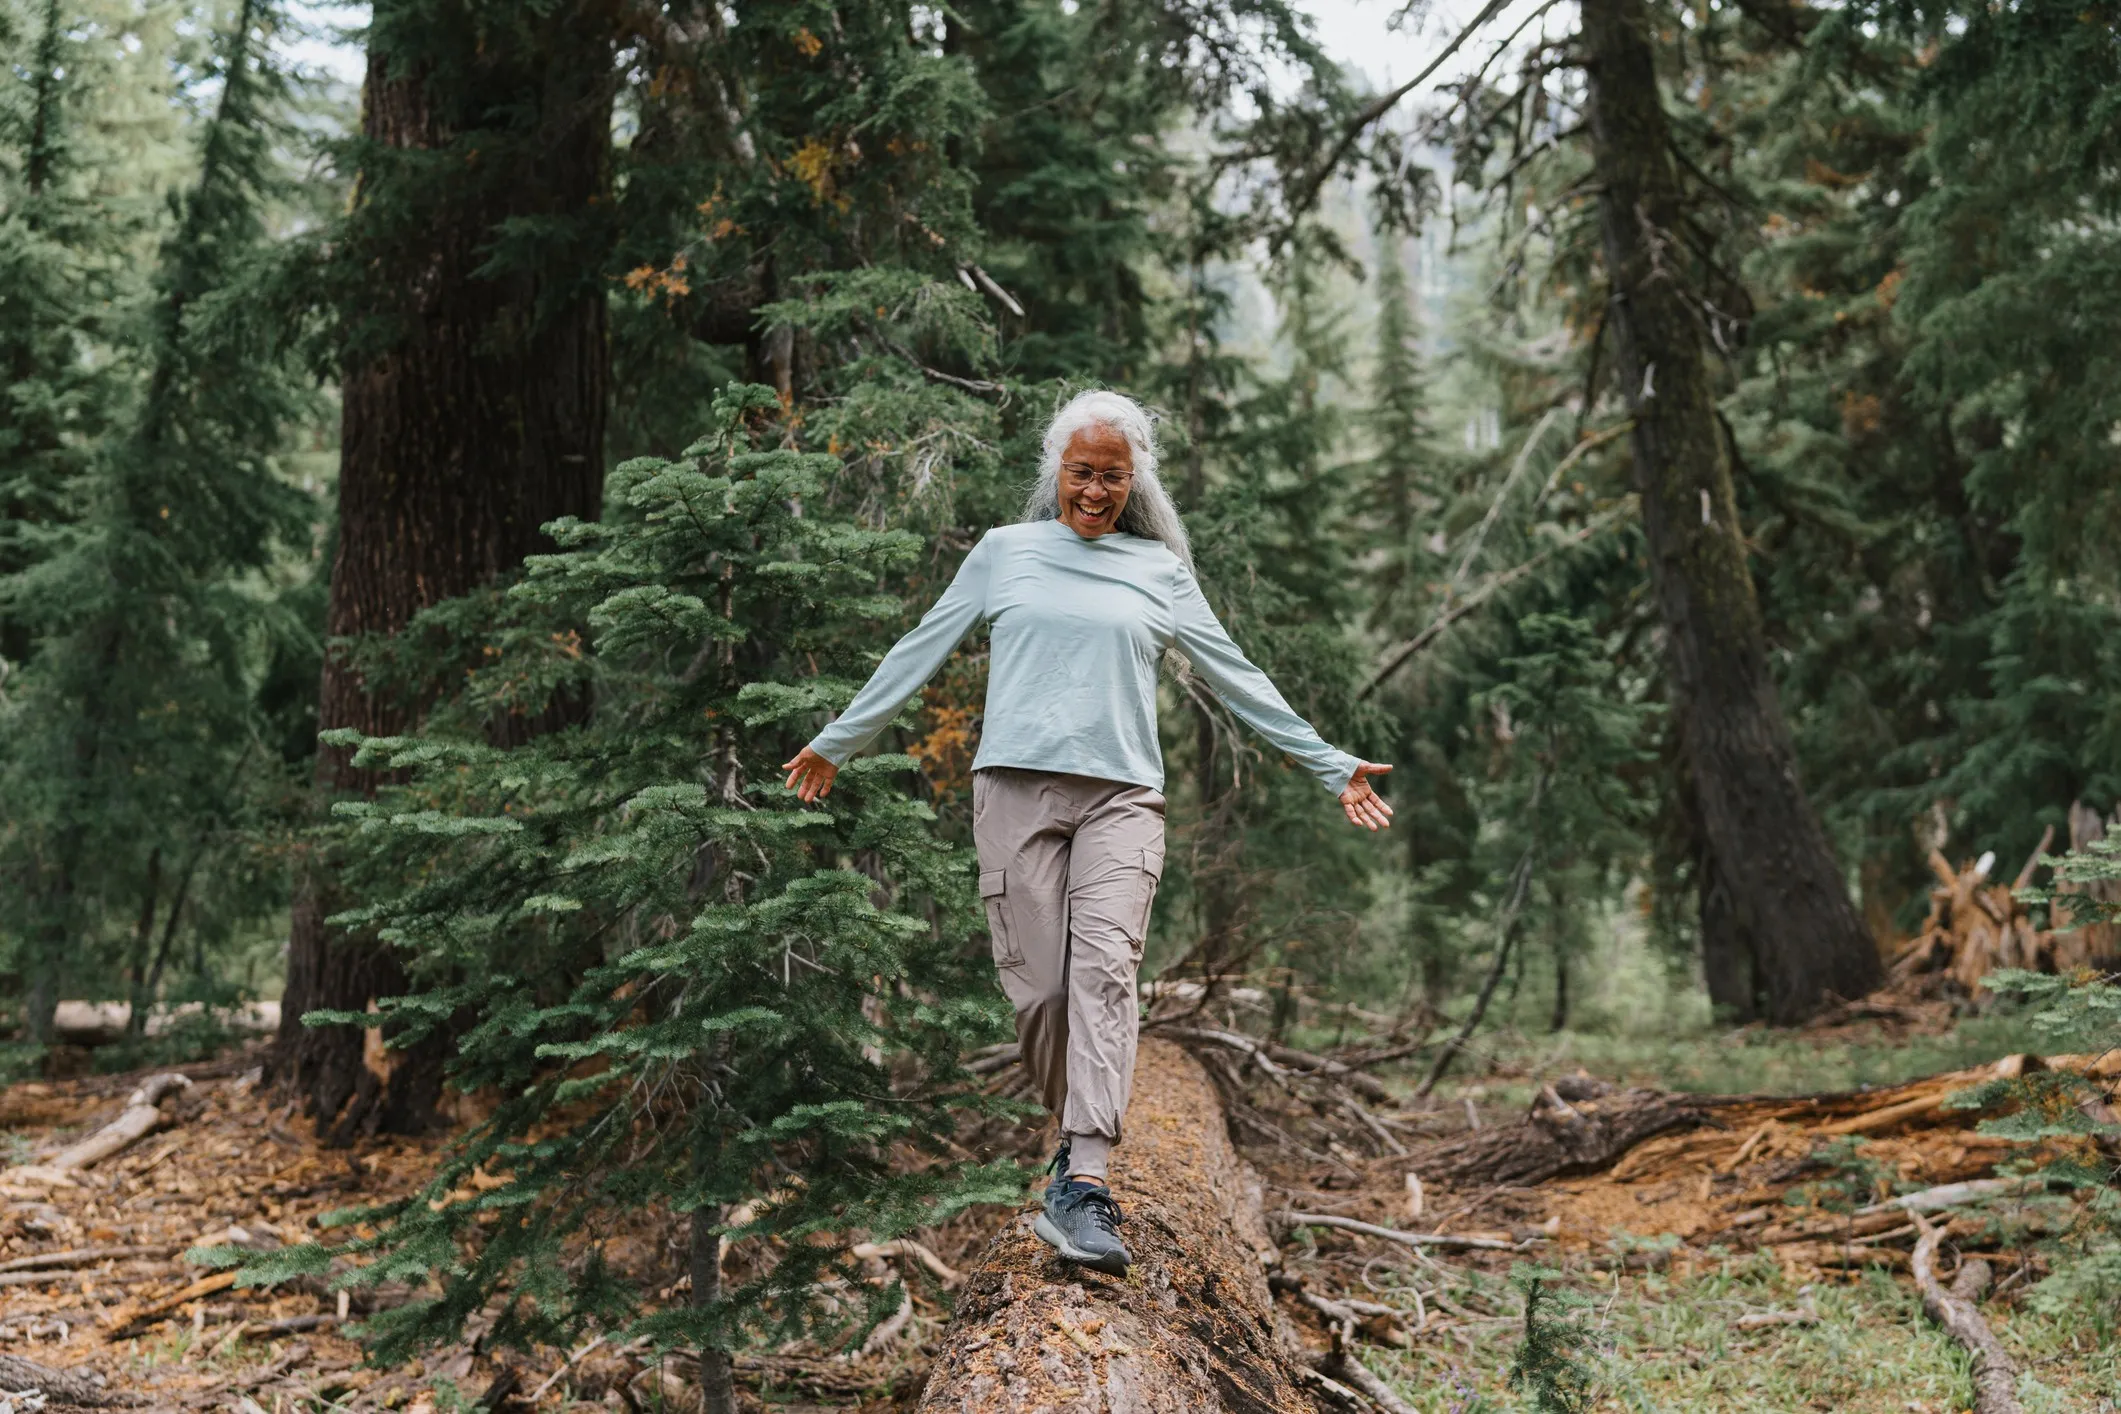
(80, 1387)
(474, 410)
(1995, 1376)
(1787, 899)
(1192, 1327)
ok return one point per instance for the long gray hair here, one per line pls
(1149, 512)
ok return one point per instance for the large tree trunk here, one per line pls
(1785, 890)
(1191, 1328)
(480, 419)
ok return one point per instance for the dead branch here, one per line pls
(82, 1256)
(1272, 1055)
(1995, 1377)
(1307, 191)
(1951, 1195)
(1506, 937)
(1409, 1239)
(948, 1275)
(1340, 1363)
(140, 1118)
(1400, 656)
(889, 1330)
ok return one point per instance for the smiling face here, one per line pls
(1096, 477)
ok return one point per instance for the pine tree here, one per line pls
(1772, 891)
(1402, 482)
(476, 367)
(1406, 493)
(129, 731)
(694, 995)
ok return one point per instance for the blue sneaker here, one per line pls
(1081, 1221)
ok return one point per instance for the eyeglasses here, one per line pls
(1079, 478)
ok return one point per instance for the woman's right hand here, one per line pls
(810, 775)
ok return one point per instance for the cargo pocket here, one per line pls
(1152, 871)
(994, 891)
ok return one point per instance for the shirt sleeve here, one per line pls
(911, 661)
(1245, 690)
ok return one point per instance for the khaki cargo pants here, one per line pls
(1068, 871)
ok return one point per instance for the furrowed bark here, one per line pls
(479, 418)
(1191, 1328)
(1785, 888)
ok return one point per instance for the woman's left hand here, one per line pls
(1364, 805)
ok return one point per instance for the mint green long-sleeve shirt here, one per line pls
(1078, 629)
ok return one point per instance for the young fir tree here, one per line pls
(130, 727)
(2082, 1014)
(690, 992)
(1548, 1366)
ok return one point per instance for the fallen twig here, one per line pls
(994, 1058)
(70, 1274)
(887, 1332)
(1234, 1040)
(1951, 1195)
(1371, 1123)
(565, 1365)
(943, 1272)
(82, 1256)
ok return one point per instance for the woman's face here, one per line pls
(1096, 477)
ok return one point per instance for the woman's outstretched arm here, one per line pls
(905, 669)
(1246, 691)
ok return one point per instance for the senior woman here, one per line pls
(1085, 595)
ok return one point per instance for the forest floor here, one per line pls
(1719, 1268)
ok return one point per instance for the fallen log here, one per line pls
(19, 1376)
(1995, 1377)
(1191, 1328)
(1576, 1126)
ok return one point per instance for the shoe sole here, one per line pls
(1111, 1263)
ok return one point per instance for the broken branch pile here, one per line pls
(1976, 926)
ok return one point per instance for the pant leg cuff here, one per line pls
(1089, 1155)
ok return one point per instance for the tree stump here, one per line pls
(1191, 1328)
